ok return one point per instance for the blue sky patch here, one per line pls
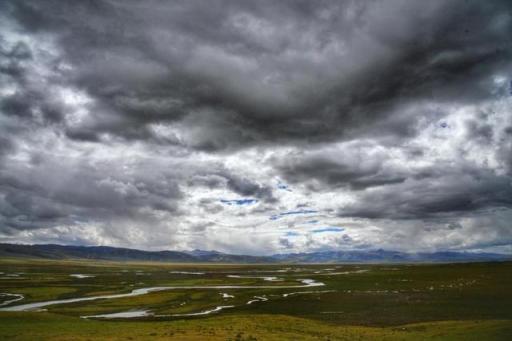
(292, 234)
(238, 202)
(284, 187)
(328, 229)
(282, 214)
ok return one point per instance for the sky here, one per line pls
(257, 127)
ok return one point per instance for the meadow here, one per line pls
(469, 301)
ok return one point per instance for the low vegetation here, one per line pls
(358, 302)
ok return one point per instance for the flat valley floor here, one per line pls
(95, 300)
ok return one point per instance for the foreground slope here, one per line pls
(36, 326)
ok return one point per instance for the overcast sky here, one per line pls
(257, 127)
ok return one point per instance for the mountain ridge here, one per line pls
(110, 253)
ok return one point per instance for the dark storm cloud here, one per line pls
(5, 145)
(113, 110)
(504, 149)
(48, 193)
(216, 176)
(352, 167)
(30, 98)
(244, 187)
(250, 72)
(444, 194)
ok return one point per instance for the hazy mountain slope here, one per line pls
(51, 251)
(386, 256)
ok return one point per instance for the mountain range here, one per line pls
(53, 251)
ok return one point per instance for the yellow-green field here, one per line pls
(356, 302)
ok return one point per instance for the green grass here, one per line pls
(45, 326)
(388, 302)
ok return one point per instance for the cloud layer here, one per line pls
(383, 124)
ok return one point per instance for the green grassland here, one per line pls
(470, 301)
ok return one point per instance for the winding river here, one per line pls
(142, 291)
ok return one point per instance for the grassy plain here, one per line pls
(358, 302)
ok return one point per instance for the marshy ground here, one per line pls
(254, 302)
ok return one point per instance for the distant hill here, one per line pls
(52, 251)
(383, 256)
